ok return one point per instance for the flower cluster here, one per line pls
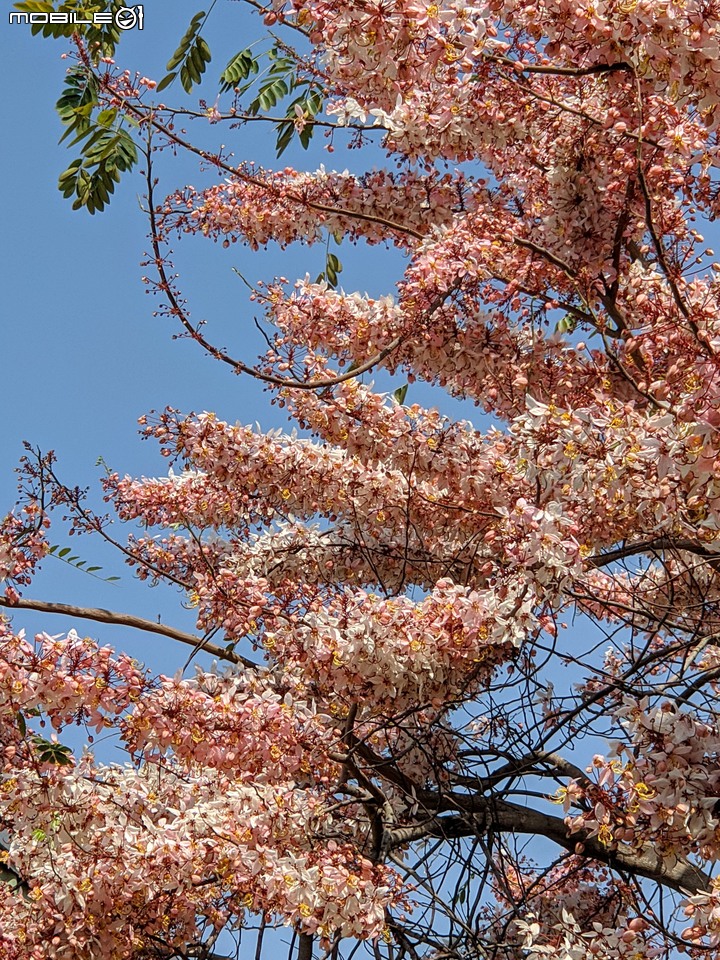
(661, 786)
(106, 855)
(22, 546)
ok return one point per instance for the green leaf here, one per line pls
(187, 78)
(567, 324)
(238, 68)
(400, 394)
(22, 726)
(78, 99)
(51, 752)
(100, 40)
(309, 103)
(166, 81)
(280, 63)
(286, 131)
(186, 42)
(276, 91)
(313, 103)
(176, 59)
(332, 268)
(62, 553)
(192, 57)
(306, 135)
(46, 29)
(106, 118)
(204, 50)
(196, 58)
(196, 61)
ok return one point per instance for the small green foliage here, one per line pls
(62, 553)
(332, 268)
(567, 324)
(195, 65)
(400, 394)
(106, 118)
(330, 274)
(77, 101)
(186, 42)
(270, 93)
(286, 132)
(192, 57)
(279, 81)
(92, 178)
(49, 751)
(107, 149)
(46, 29)
(39, 835)
(239, 68)
(306, 106)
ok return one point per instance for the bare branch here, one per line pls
(127, 620)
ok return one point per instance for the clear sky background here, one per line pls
(82, 355)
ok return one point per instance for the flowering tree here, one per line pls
(435, 642)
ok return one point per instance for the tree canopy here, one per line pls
(467, 671)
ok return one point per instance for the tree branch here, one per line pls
(305, 949)
(237, 365)
(127, 620)
(486, 813)
(652, 546)
(592, 70)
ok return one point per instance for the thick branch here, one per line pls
(592, 70)
(475, 814)
(127, 620)
(305, 947)
(652, 546)
(486, 813)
